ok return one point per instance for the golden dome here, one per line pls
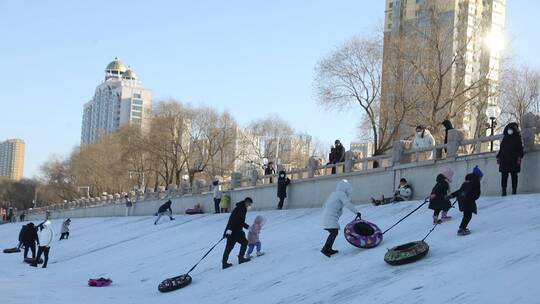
(129, 74)
(116, 65)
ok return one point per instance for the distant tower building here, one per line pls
(12, 159)
(118, 101)
(362, 149)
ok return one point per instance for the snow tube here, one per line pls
(101, 282)
(31, 260)
(175, 283)
(406, 253)
(12, 250)
(194, 211)
(363, 234)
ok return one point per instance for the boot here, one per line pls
(514, 191)
(242, 260)
(326, 252)
(444, 216)
(463, 231)
(503, 192)
(332, 251)
(436, 220)
(226, 265)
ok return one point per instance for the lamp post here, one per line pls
(492, 112)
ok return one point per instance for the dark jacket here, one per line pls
(268, 170)
(340, 154)
(447, 127)
(165, 207)
(282, 184)
(237, 219)
(468, 193)
(438, 200)
(29, 235)
(511, 151)
(21, 233)
(332, 155)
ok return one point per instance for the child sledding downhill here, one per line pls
(164, 209)
(439, 201)
(466, 197)
(253, 236)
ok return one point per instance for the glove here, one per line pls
(519, 161)
(227, 233)
(498, 161)
(359, 215)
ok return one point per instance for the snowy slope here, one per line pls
(498, 263)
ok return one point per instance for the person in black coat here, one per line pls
(438, 200)
(282, 183)
(269, 170)
(29, 239)
(466, 197)
(509, 156)
(339, 154)
(235, 234)
(447, 127)
(164, 209)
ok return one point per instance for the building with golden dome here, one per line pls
(119, 100)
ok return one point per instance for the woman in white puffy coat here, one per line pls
(422, 140)
(45, 236)
(333, 209)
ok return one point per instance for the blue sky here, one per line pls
(252, 58)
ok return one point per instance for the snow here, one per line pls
(498, 263)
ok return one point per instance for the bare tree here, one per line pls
(352, 75)
(520, 93)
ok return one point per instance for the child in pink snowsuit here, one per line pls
(253, 236)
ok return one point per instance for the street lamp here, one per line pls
(492, 113)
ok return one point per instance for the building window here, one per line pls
(136, 102)
(136, 95)
(136, 108)
(136, 114)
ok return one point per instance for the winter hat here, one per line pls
(477, 171)
(402, 180)
(448, 173)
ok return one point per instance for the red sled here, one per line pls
(101, 282)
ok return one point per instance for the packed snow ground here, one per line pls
(498, 263)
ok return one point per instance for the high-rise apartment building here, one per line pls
(459, 68)
(118, 101)
(12, 159)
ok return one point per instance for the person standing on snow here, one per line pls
(282, 183)
(164, 209)
(217, 195)
(29, 238)
(466, 197)
(438, 200)
(45, 236)
(129, 204)
(423, 140)
(333, 209)
(253, 236)
(235, 234)
(65, 229)
(509, 156)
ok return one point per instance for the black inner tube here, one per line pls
(406, 247)
(363, 229)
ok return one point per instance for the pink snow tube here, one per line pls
(101, 282)
(363, 234)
